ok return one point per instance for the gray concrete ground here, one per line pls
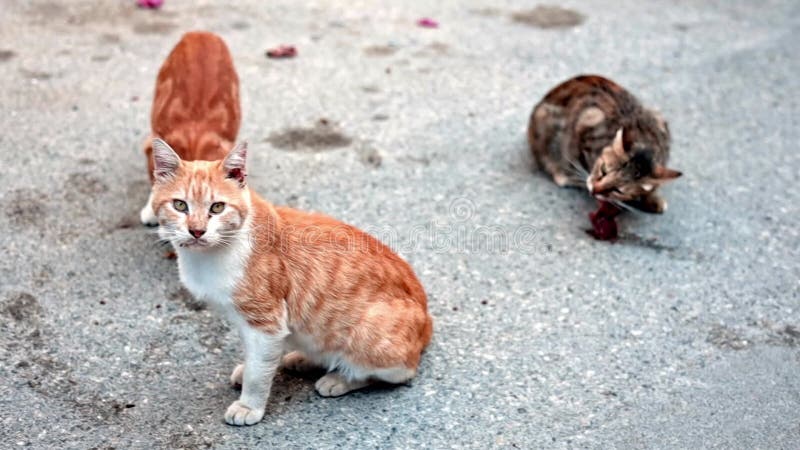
(684, 334)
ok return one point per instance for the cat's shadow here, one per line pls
(290, 387)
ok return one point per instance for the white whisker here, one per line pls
(620, 204)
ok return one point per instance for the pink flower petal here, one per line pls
(151, 4)
(427, 22)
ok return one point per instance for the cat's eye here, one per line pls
(217, 207)
(603, 169)
(180, 205)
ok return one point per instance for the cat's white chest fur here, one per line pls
(213, 275)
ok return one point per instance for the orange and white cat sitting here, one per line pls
(289, 281)
(196, 104)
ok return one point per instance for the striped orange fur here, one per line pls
(196, 107)
(301, 287)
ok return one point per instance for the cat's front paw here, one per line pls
(237, 374)
(562, 180)
(240, 414)
(653, 204)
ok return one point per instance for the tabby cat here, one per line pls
(589, 131)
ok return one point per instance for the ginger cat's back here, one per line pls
(354, 264)
(196, 107)
(342, 280)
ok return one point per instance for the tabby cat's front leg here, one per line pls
(652, 203)
(262, 355)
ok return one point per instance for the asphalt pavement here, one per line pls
(683, 334)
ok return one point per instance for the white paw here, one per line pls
(561, 180)
(297, 362)
(334, 385)
(659, 205)
(237, 374)
(239, 414)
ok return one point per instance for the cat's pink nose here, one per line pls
(197, 233)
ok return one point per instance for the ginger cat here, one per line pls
(290, 281)
(196, 104)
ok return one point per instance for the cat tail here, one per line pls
(427, 331)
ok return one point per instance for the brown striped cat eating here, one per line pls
(590, 132)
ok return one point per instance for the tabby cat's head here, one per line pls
(199, 204)
(625, 171)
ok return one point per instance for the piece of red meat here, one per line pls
(282, 51)
(604, 224)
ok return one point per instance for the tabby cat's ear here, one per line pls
(664, 174)
(165, 160)
(235, 164)
(623, 142)
(617, 145)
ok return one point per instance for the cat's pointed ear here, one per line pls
(623, 142)
(627, 139)
(235, 164)
(617, 145)
(165, 160)
(664, 174)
